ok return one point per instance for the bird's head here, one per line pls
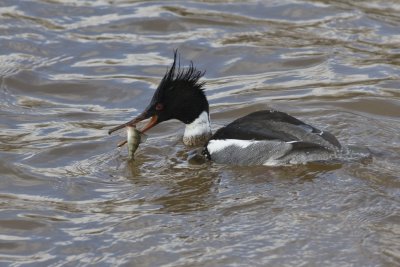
(179, 96)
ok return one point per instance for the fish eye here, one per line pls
(159, 106)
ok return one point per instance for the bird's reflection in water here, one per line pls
(187, 182)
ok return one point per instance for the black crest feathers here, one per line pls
(185, 78)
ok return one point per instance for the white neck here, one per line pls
(199, 131)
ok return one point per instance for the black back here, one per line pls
(274, 125)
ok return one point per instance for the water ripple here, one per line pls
(70, 70)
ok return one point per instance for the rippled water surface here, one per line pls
(70, 70)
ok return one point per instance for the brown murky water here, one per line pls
(70, 70)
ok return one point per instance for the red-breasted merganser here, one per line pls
(266, 137)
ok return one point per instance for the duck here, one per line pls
(265, 137)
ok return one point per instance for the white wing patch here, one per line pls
(218, 145)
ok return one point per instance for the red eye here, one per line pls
(159, 106)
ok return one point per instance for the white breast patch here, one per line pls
(198, 131)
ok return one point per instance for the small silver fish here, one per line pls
(134, 138)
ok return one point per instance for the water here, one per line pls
(70, 70)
